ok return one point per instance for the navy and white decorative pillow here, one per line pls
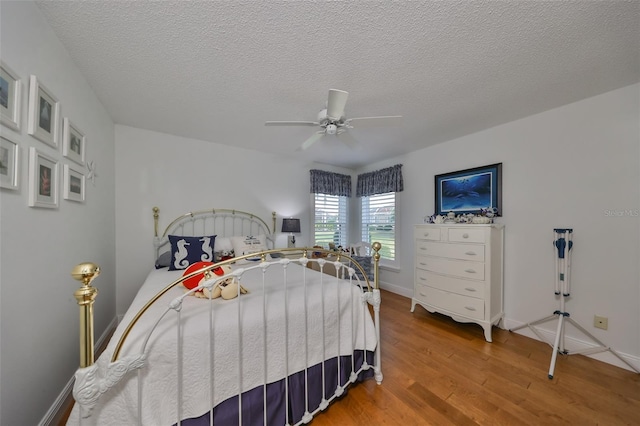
(365, 262)
(188, 250)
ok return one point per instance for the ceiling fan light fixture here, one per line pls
(333, 121)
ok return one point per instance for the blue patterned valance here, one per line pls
(330, 183)
(380, 181)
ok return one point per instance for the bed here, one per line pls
(286, 339)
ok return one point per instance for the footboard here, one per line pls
(289, 342)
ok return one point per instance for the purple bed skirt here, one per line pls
(226, 413)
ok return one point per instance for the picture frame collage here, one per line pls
(57, 135)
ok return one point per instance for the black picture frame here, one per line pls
(469, 191)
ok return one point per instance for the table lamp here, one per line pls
(291, 226)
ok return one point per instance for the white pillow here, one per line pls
(249, 244)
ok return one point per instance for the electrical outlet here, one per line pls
(600, 322)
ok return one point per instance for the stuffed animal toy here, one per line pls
(193, 282)
(227, 288)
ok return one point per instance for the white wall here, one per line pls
(577, 167)
(179, 175)
(39, 247)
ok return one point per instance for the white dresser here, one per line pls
(458, 272)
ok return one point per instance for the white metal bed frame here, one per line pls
(91, 384)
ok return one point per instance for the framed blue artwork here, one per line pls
(469, 191)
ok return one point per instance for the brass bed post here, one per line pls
(376, 301)
(155, 221)
(376, 263)
(86, 295)
(273, 216)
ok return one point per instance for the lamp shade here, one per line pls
(290, 225)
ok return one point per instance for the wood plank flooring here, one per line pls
(440, 372)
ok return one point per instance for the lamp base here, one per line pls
(291, 241)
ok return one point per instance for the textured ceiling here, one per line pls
(217, 70)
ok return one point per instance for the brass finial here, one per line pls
(376, 246)
(85, 272)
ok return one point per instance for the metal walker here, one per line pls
(563, 244)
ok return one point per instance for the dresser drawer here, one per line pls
(473, 252)
(432, 234)
(466, 306)
(458, 268)
(453, 285)
(466, 235)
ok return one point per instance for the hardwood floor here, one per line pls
(440, 372)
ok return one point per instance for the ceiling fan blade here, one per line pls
(348, 140)
(291, 123)
(389, 120)
(335, 104)
(313, 139)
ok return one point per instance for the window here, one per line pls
(330, 224)
(379, 222)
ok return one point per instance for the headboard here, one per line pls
(221, 222)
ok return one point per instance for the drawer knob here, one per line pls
(423, 248)
(470, 253)
(423, 264)
(423, 279)
(426, 234)
(470, 271)
(465, 235)
(469, 308)
(470, 289)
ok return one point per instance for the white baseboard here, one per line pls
(402, 291)
(574, 342)
(54, 411)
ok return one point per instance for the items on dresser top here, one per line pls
(459, 272)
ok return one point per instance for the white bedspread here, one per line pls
(342, 305)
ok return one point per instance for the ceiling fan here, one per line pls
(332, 121)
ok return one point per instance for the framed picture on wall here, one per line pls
(43, 113)
(73, 184)
(470, 190)
(73, 142)
(43, 180)
(9, 161)
(10, 96)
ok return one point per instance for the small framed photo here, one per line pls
(73, 184)
(73, 142)
(469, 190)
(43, 180)
(43, 113)
(10, 96)
(9, 161)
